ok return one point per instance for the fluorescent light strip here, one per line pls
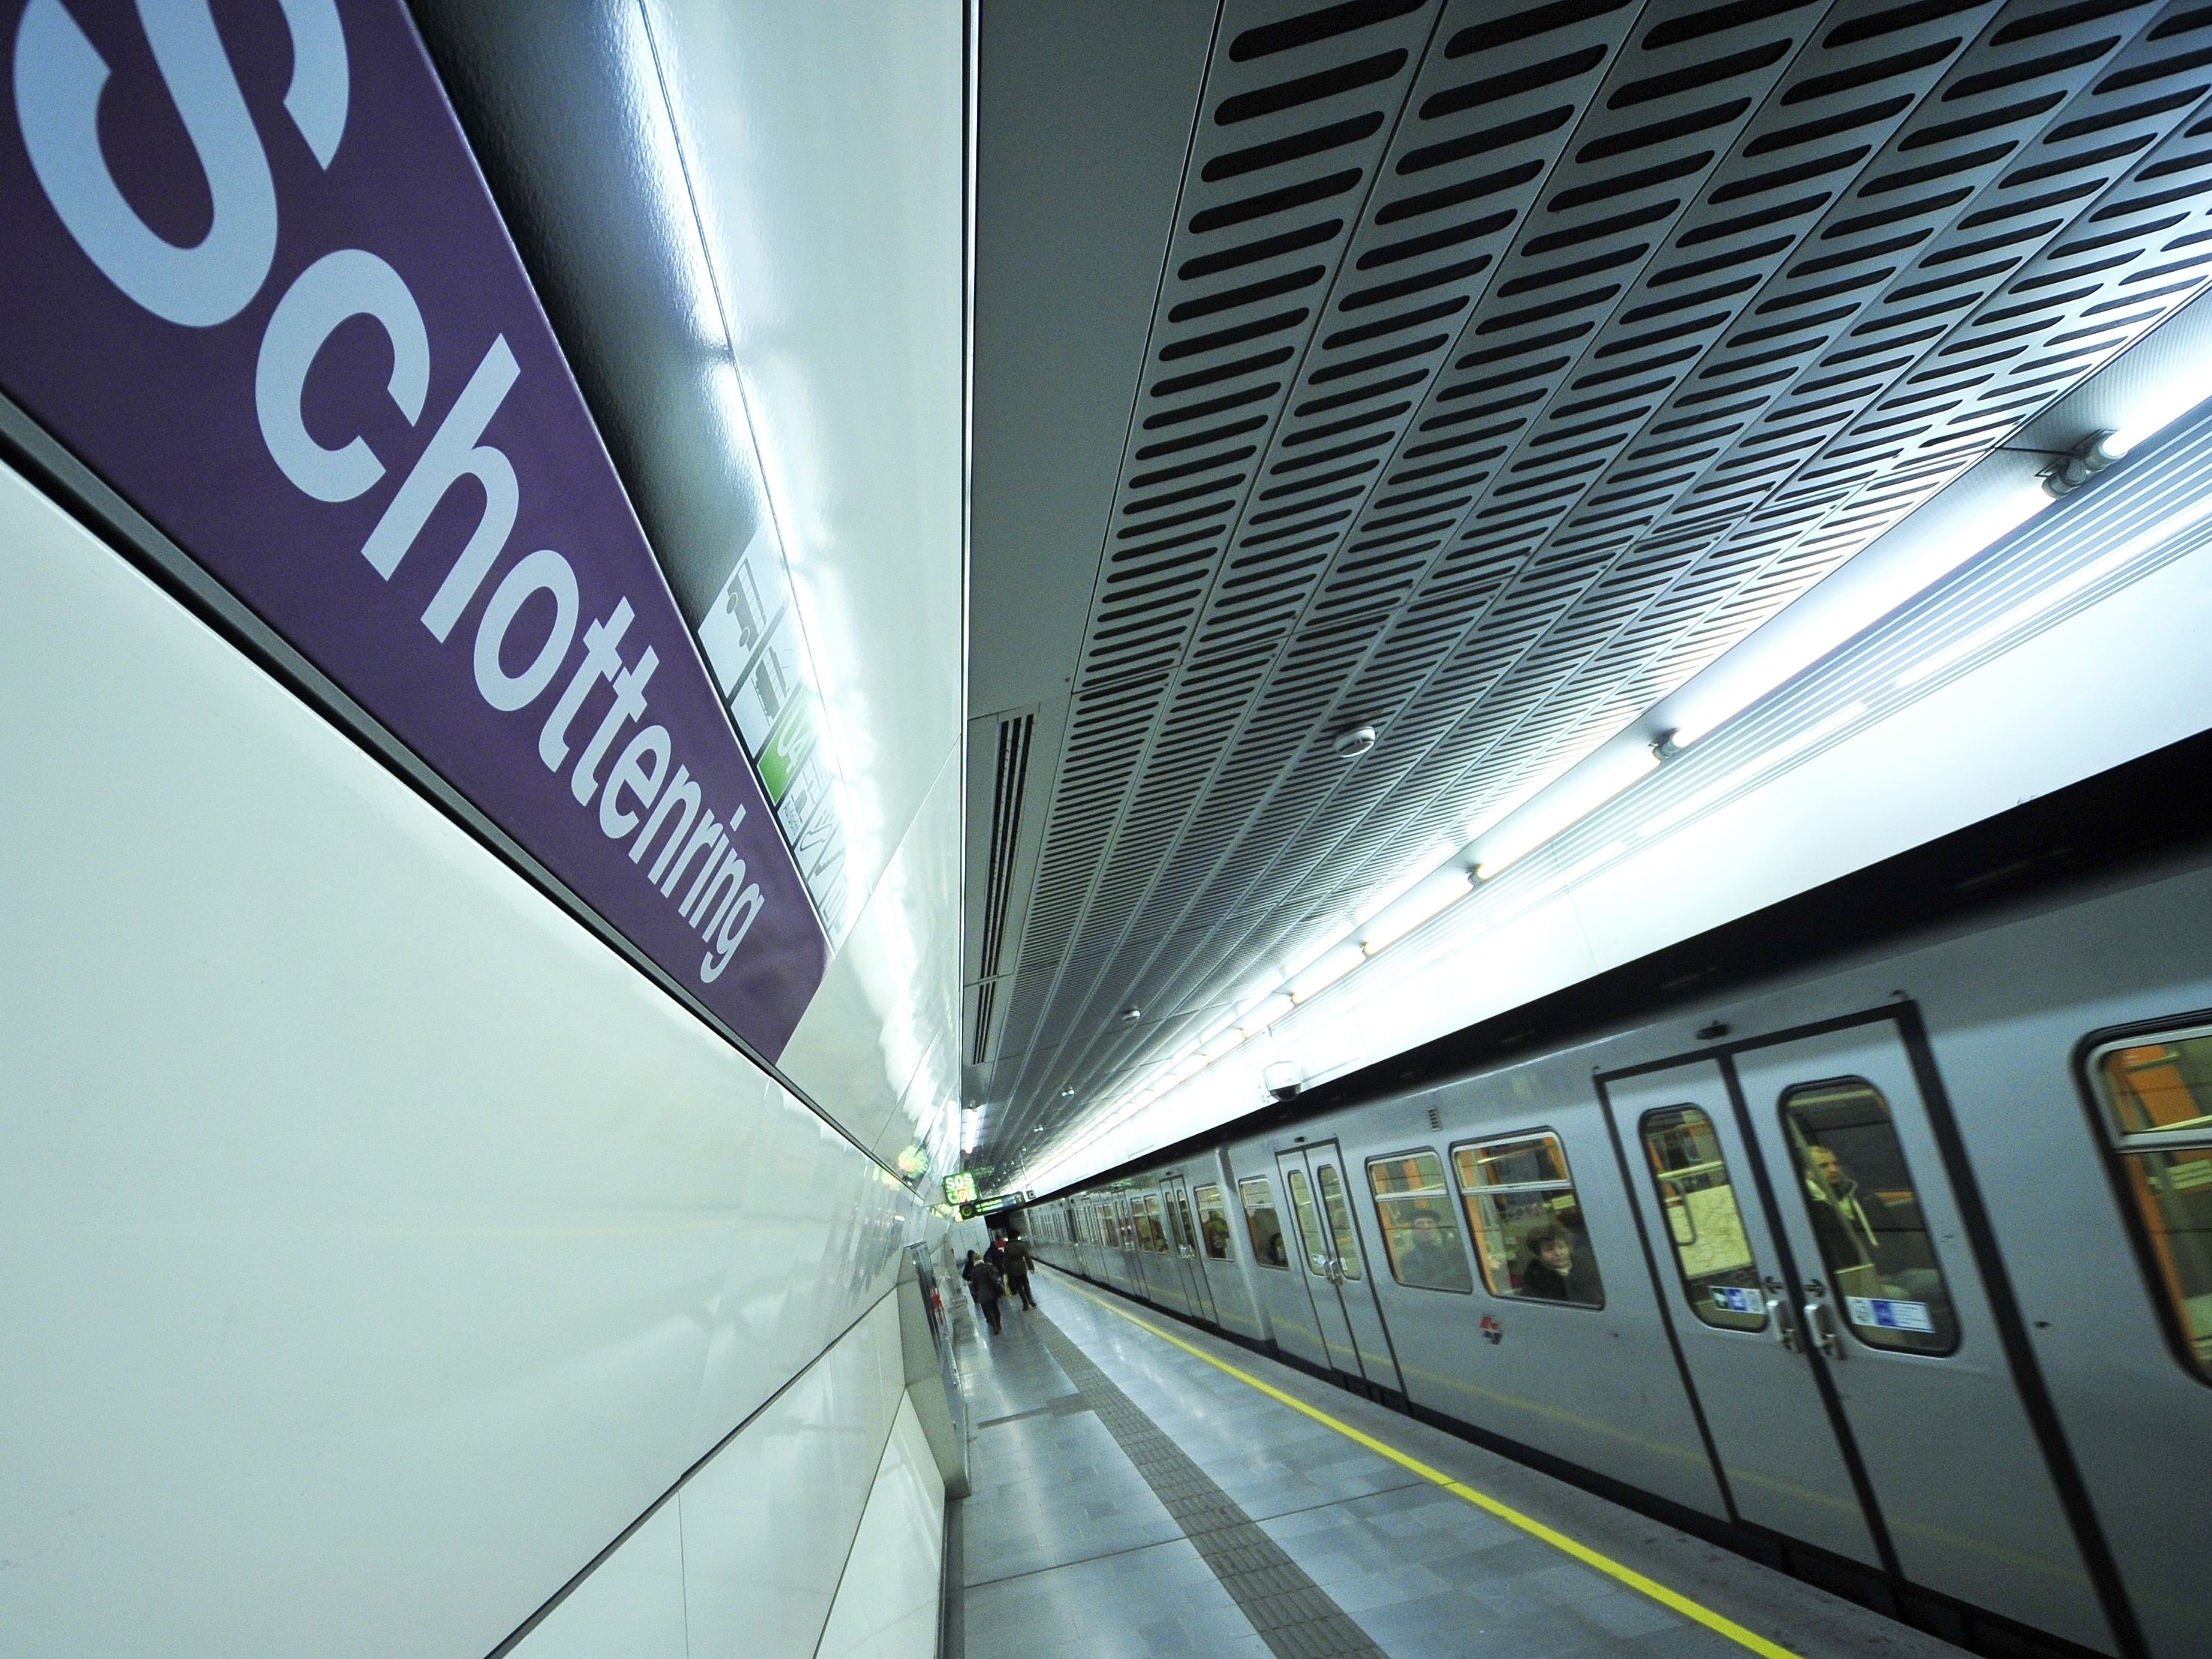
(1577, 800)
(1416, 910)
(1690, 806)
(2146, 541)
(1795, 638)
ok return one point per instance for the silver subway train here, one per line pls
(1894, 1268)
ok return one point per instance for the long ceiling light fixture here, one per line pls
(2053, 594)
(1612, 771)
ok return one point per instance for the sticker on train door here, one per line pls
(1884, 1314)
(1492, 1332)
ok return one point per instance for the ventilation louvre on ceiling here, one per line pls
(1508, 366)
(1009, 781)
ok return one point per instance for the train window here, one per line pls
(1719, 1277)
(1420, 1234)
(1261, 1223)
(1182, 1210)
(1339, 1207)
(2157, 1094)
(1149, 1232)
(1311, 1239)
(1212, 1222)
(1866, 1217)
(1527, 1224)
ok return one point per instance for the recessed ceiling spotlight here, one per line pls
(1352, 742)
(1067, 1094)
(1131, 1015)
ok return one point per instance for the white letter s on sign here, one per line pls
(59, 77)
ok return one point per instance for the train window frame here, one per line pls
(1343, 1226)
(1704, 1310)
(1220, 1213)
(1307, 1226)
(1508, 1138)
(1840, 1296)
(2118, 1146)
(1148, 1203)
(1383, 1228)
(1267, 1187)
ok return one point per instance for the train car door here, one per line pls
(1125, 1231)
(1893, 1290)
(1177, 1193)
(1336, 1264)
(1775, 1426)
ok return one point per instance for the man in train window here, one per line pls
(1425, 1259)
(1840, 1223)
(1882, 1252)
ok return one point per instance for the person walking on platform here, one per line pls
(1018, 1263)
(989, 1286)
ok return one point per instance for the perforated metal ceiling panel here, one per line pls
(1508, 365)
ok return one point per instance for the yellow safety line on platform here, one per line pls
(1505, 1512)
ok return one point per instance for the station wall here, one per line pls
(382, 1246)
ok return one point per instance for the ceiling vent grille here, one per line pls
(1008, 783)
(1508, 366)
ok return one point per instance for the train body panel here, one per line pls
(1902, 1260)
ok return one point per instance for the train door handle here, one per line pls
(1821, 1325)
(1786, 1331)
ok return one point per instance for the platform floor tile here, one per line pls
(1132, 1498)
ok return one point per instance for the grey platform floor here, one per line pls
(1069, 1548)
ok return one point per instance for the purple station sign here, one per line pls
(250, 274)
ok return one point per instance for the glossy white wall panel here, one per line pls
(886, 1605)
(825, 145)
(370, 1225)
(767, 1523)
(630, 1607)
(788, 1288)
(878, 1044)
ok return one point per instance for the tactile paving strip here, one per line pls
(1294, 1616)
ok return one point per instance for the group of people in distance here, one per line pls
(1001, 1271)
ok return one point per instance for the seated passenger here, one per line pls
(1550, 1261)
(1840, 1223)
(1426, 1259)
